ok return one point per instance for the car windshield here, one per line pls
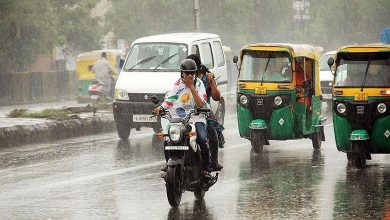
(363, 70)
(324, 62)
(266, 66)
(159, 57)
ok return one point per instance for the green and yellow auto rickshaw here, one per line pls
(361, 98)
(279, 94)
(84, 63)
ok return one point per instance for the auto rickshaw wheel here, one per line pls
(316, 139)
(257, 141)
(359, 155)
(123, 130)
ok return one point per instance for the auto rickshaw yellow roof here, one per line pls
(297, 50)
(377, 47)
(97, 53)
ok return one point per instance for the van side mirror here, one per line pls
(235, 60)
(330, 64)
(121, 63)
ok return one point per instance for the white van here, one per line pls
(326, 77)
(150, 69)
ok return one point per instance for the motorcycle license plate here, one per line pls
(94, 96)
(144, 118)
(176, 147)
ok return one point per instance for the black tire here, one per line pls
(123, 130)
(350, 156)
(316, 139)
(257, 141)
(173, 186)
(359, 155)
(220, 112)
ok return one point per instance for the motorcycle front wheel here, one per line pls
(174, 191)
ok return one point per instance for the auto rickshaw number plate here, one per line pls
(261, 90)
(361, 97)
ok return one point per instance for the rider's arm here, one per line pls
(200, 93)
(215, 94)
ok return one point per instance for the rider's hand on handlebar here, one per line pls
(157, 110)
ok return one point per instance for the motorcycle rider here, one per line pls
(104, 73)
(213, 92)
(187, 93)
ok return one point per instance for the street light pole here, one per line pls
(197, 17)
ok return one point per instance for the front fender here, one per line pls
(172, 162)
(258, 124)
(359, 135)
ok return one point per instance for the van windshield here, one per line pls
(363, 70)
(159, 57)
(266, 66)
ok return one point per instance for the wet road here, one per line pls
(99, 177)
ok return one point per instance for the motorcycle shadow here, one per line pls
(199, 211)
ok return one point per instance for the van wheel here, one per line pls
(123, 130)
(220, 113)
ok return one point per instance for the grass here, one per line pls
(58, 114)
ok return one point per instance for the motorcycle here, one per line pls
(97, 91)
(185, 161)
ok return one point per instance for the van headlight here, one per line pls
(243, 99)
(341, 108)
(121, 94)
(278, 100)
(381, 108)
(175, 132)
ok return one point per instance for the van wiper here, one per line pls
(164, 61)
(142, 62)
(262, 76)
(365, 76)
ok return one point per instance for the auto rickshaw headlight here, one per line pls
(381, 108)
(121, 94)
(278, 100)
(341, 108)
(243, 99)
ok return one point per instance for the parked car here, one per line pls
(150, 69)
(326, 78)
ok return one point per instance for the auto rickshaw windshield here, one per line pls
(266, 66)
(370, 70)
(156, 56)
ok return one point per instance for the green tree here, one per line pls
(32, 27)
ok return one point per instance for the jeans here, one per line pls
(201, 138)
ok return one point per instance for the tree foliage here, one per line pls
(31, 27)
(332, 23)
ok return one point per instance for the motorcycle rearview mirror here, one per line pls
(330, 64)
(235, 60)
(155, 100)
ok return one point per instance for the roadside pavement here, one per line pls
(21, 131)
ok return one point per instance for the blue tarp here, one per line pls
(385, 36)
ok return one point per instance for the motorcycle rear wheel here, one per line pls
(173, 185)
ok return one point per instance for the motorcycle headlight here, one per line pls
(243, 100)
(341, 108)
(121, 94)
(278, 100)
(381, 108)
(174, 132)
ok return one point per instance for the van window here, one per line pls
(218, 52)
(207, 58)
(195, 50)
(156, 56)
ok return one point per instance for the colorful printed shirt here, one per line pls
(179, 100)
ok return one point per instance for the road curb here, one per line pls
(55, 130)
